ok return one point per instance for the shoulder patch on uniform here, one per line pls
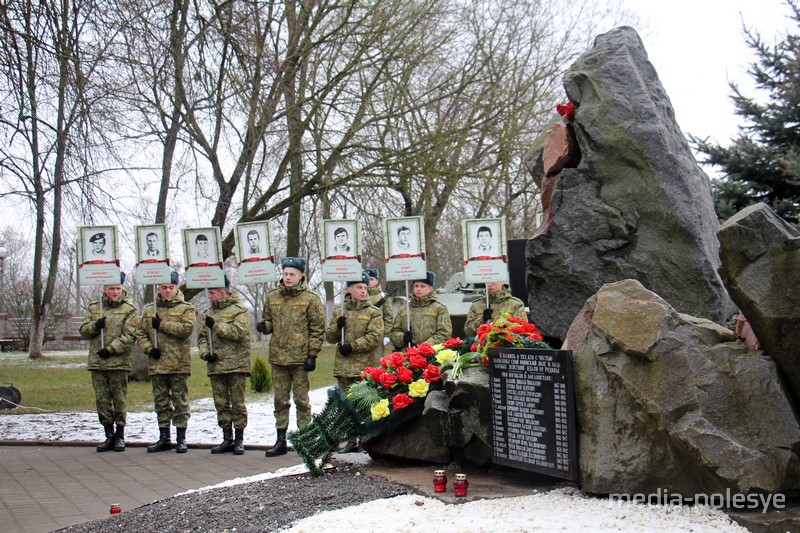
(243, 319)
(135, 321)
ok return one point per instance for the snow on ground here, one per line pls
(559, 510)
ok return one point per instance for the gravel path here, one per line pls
(268, 505)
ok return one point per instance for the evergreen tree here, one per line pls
(763, 163)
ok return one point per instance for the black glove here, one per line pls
(156, 322)
(341, 321)
(100, 323)
(104, 353)
(487, 314)
(211, 357)
(345, 349)
(407, 338)
(311, 363)
(209, 322)
(155, 353)
(261, 327)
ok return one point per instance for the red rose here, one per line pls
(387, 380)
(417, 361)
(396, 359)
(405, 374)
(411, 350)
(426, 349)
(453, 343)
(385, 361)
(431, 374)
(400, 401)
(375, 373)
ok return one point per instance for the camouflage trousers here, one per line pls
(111, 396)
(345, 382)
(228, 391)
(286, 378)
(171, 399)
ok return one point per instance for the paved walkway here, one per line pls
(43, 487)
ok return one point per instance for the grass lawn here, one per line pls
(62, 383)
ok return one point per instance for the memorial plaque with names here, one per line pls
(533, 411)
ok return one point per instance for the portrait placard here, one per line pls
(152, 254)
(98, 255)
(404, 248)
(485, 257)
(202, 251)
(341, 246)
(255, 257)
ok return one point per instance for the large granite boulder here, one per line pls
(760, 255)
(666, 401)
(637, 206)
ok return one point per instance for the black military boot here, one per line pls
(119, 439)
(163, 443)
(227, 441)
(107, 444)
(280, 445)
(181, 447)
(238, 442)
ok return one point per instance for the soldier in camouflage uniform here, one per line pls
(500, 300)
(296, 318)
(362, 324)
(430, 320)
(110, 359)
(169, 365)
(228, 358)
(381, 300)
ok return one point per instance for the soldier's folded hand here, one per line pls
(407, 337)
(341, 321)
(487, 314)
(211, 357)
(311, 363)
(345, 349)
(100, 323)
(261, 327)
(209, 322)
(156, 322)
(155, 353)
(104, 353)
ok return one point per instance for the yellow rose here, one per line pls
(379, 410)
(445, 355)
(437, 347)
(418, 389)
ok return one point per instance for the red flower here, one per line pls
(396, 359)
(387, 380)
(405, 375)
(385, 361)
(474, 347)
(452, 343)
(483, 329)
(411, 350)
(567, 111)
(431, 374)
(400, 401)
(426, 349)
(417, 361)
(375, 373)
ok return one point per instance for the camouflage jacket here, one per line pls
(376, 294)
(430, 322)
(499, 301)
(296, 318)
(177, 322)
(119, 334)
(363, 330)
(230, 336)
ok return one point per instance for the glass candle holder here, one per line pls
(460, 485)
(439, 481)
(115, 509)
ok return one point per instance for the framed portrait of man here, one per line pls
(152, 254)
(202, 250)
(98, 255)
(485, 256)
(404, 246)
(254, 252)
(341, 246)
